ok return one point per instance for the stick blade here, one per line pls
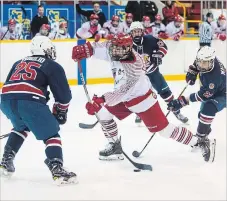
(86, 126)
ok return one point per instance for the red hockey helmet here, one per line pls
(129, 15)
(146, 18)
(115, 21)
(221, 17)
(94, 16)
(121, 47)
(11, 22)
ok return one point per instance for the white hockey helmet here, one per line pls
(136, 25)
(42, 45)
(205, 58)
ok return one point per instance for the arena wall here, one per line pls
(180, 55)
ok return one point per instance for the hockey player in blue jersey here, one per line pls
(23, 101)
(212, 94)
(153, 50)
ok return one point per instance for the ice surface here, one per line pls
(177, 173)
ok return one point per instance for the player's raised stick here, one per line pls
(4, 136)
(136, 153)
(137, 165)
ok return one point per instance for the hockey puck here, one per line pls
(136, 170)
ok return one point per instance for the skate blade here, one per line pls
(115, 157)
(61, 182)
(5, 174)
(212, 150)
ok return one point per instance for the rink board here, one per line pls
(180, 55)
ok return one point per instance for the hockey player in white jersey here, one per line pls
(128, 21)
(89, 29)
(62, 31)
(175, 29)
(146, 21)
(219, 28)
(133, 93)
(113, 26)
(9, 32)
(44, 30)
(158, 28)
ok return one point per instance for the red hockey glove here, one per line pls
(222, 37)
(95, 106)
(60, 113)
(176, 37)
(163, 35)
(177, 104)
(82, 51)
(93, 30)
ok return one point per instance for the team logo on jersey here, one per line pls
(147, 60)
(211, 85)
(207, 94)
(54, 14)
(120, 13)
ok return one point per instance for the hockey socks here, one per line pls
(16, 140)
(54, 147)
(110, 130)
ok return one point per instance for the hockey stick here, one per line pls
(5, 34)
(136, 153)
(88, 126)
(4, 136)
(137, 165)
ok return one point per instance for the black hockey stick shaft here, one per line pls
(4, 136)
(88, 126)
(5, 34)
(137, 154)
(137, 165)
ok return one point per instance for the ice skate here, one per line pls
(207, 147)
(7, 167)
(59, 174)
(113, 151)
(181, 117)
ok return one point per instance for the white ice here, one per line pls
(177, 173)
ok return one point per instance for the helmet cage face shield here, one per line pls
(50, 53)
(94, 22)
(115, 23)
(204, 65)
(129, 20)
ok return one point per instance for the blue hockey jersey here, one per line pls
(213, 83)
(148, 46)
(29, 78)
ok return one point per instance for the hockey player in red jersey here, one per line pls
(219, 28)
(147, 25)
(132, 93)
(128, 21)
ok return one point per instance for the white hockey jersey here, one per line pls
(109, 29)
(59, 36)
(130, 80)
(172, 30)
(15, 35)
(156, 28)
(217, 29)
(84, 33)
(126, 27)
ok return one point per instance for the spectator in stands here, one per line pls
(175, 29)
(96, 10)
(146, 21)
(89, 29)
(219, 28)
(169, 12)
(38, 21)
(142, 8)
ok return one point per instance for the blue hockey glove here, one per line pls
(177, 104)
(191, 75)
(60, 114)
(156, 59)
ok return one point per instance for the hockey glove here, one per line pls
(82, 51)
(176, 37)
(163, 35)
(60, 114)
(191, 75)
(96, 105)
(157, 58)
(177, 104)
(221, 37)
